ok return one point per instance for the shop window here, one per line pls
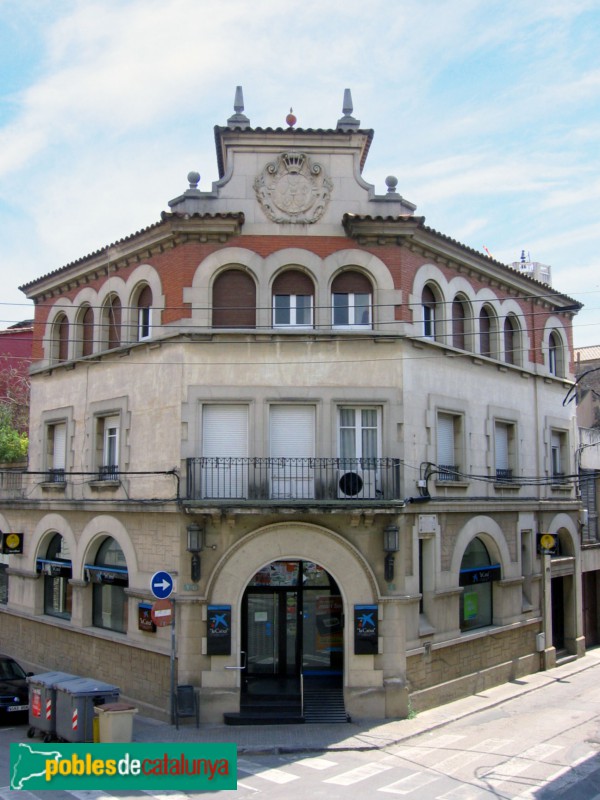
(477, 576)
(57, 572)
(293, 300)
(109, 578)
(351, 300)
(449, 446)
(234, 300)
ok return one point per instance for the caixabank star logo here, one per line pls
(185, 767)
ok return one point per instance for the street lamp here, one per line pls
(391, 545)
(195, 536)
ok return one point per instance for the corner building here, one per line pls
(340, 432)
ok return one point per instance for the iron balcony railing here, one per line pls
(293, 479)
(448, 472)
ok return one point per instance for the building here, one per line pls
(338, 431)
(587, 394)
(541, 272)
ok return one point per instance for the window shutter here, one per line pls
(292, 431)
(445, 440)
(501, 442)
(225, 431)
(59, 456)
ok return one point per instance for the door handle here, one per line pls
(243, 662)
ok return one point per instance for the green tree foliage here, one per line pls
(13, 444)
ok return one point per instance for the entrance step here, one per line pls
(324, 704)
(267, 709)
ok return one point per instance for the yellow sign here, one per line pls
(11, 543)
(547, 541)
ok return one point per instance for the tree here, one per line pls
(13, 443)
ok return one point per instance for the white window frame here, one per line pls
(358, 427)
(558, 454)
(351, 307)
(144, 318)
(293, 310)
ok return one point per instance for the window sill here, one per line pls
(513, 486)
(100, 485)
(53, 486)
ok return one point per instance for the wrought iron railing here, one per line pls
(293, 479)
(504, 475)
(448, 472)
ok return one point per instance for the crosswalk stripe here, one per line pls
(464, 792)
(316, 763)
(358, 774)
(6, 793)
(411, 783)
(272, 775)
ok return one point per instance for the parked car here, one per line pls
(14, 691)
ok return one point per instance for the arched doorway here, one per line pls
(292, 634)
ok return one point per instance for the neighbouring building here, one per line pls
(587, 394)
(339, 432)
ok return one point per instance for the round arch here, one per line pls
(490, 532)
(92, 537)
(293, 540)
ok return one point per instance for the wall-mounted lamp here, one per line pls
(391, 545)
(195, 536)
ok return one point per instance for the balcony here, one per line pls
(293, 480)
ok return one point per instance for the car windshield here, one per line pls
(9, 670)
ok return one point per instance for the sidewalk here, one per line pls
(362, 735)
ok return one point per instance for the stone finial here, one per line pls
(348, 122)
(193, 179)
(391, 182)
(239, 119)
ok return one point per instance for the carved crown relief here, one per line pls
(293, 188)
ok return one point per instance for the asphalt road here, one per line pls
(543, 745)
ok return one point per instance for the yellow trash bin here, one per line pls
(116, 722)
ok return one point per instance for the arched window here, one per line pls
(488, 332)
(431, 323)
(459, 323)
(61, 338)
(293, 300)
(112, 322)
(556, 364)
(512, 344)
(234, 300)
(110, 578)
(143, 307)
(86, 331)
(477, 574)
(351, 300)
(56, 568)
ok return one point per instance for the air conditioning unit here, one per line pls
(356, 484)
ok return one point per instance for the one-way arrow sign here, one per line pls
(161, 585)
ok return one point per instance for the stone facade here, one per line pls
(329, 392)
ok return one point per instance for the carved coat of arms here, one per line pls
(293, 189)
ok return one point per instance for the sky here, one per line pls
(487, 112)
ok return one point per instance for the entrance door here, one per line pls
(292, 626)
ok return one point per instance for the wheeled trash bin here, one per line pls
(75, 703)
(116, 722)
(42, 703)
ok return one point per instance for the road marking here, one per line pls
(455, 762)
(409, 784)
(464, 792)
(272, 775)
(6, 793)
(358, 774)
(316, 763)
